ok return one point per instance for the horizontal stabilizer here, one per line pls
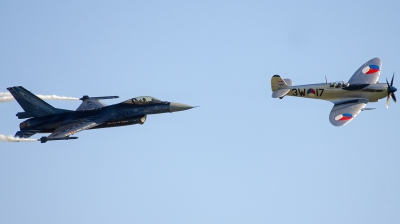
(86, 97)
(280, 93)
(368, 109)
(26, 133)
(288, 82)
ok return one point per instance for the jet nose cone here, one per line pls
(174, 107)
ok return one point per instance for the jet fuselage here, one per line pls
(116, 115)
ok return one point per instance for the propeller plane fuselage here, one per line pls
(333, 92)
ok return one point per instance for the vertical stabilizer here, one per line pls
(280, 87)
(32, 105)
(278, 83)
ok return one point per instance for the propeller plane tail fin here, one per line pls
(280, 87)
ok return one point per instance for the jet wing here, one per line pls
(345, 111)
(368, 73)
(77, 126)
(91, 104)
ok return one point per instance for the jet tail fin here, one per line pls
(280, 87)
(31, 104)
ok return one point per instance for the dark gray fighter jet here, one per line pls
(91, 114)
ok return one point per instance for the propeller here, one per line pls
(390, 90)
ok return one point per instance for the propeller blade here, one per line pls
(391, 83)
(390, 90)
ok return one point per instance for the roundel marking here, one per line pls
(370, 69)
(344, 117)
(311, 92)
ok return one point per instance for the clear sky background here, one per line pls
(242, 157)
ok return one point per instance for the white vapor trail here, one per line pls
(55, 97)
(6, 97)
(10, 138)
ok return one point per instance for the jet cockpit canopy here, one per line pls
(141, 100)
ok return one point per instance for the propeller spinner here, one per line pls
(391, 89)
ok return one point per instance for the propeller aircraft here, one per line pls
(91, 114)
(349, 98)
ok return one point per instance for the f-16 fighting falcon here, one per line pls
(348, 98)
(91, 114)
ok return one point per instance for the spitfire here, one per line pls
(91, 114)
(349, 98)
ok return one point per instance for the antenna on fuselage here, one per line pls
(326, 80)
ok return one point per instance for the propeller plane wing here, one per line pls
(344, 112)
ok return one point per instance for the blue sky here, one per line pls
(242, 157)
